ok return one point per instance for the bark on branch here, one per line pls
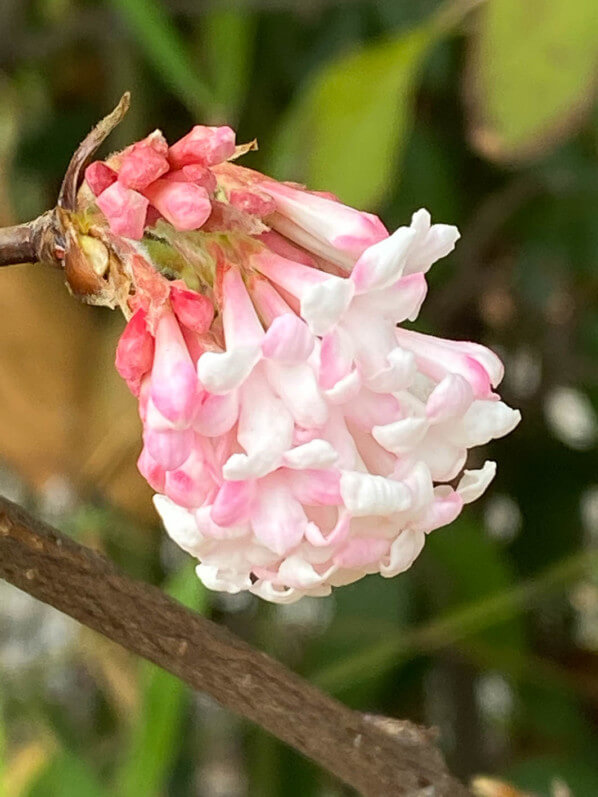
(377, 759)
(29, 242)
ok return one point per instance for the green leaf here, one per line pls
(228, 37)
(155, 735)
(66, 776)
(167, 52)
(467, 566)
(2, 747)
(539, 774)
(347, 128)
(462, 622)
(531, 74)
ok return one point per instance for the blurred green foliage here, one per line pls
(485, 114)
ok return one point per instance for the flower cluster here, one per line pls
(297, 438)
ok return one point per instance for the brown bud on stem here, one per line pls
(56, 237)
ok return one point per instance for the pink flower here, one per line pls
(297, 438)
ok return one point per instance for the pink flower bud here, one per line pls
(252, 201)
(169, 448)
(99, 176)
(194, 173)
(193, 310)
(125, 210)
(174, 384)
(152, 472)
(141, 166)
(135, 350)
(185, 205)
(204, 145)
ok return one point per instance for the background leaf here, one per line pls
(66, 776)
(167, 52)
(532, 74)
(155, 734)
(227, 43)
(347, 128)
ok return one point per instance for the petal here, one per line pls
(397, 375)
(483, 421)
(336, 357)
(186, 206)
(232, 504)
(445, 508)
(278, 519)
(372, 409)
(210, 529)
(135, 350)
(297, 387)
(382, 264)
(266, 299)
(403, 553)
(169, 448)
(294, 571)
(282, 595)
(401, 436)
(152, 472)
(336, 535)
(221, 372)
(241, 324)
(192, 309)
(315, 454)
(265, 432)
(315, 246)
(220, 580)
(194, 173)
(204, 145)
(443, 458)
(283, 247)
(141, 165)
(316, 487)
(360, 551)
(345, 390)
(179, 524)
(99, 176)
(323, 305)
(293, 277)
(450, 398)
(433, 242)
(190, 484)
(174, 387)
(217, 414)
(288, 339)
(437, 357)
(399, 301)
(125, 210)
(364, 494)
(474, 482)
(419, 481)
(339, 225)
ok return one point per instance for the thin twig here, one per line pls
(378, 759)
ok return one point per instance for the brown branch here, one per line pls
(377, 758)
(29, 242)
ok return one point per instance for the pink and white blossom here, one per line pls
(296, 436)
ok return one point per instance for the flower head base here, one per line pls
(296, 437)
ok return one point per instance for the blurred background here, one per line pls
(482, 112)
